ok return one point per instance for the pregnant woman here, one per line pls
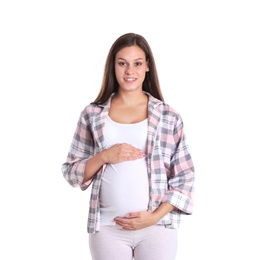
(130, 145)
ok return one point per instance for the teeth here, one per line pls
(130, 79)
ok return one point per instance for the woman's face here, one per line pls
(130, 68)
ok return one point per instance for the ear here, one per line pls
(147, 66)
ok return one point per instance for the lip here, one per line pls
(130, 79)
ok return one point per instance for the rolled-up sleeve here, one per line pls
(81, 149)
(181, 179)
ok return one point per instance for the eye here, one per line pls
(137, 64)
(122, 63)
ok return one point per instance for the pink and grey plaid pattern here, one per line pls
(170, 167)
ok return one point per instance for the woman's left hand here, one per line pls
(136, 220)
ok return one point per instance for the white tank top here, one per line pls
(124, 187)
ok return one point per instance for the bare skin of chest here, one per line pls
(128, 114)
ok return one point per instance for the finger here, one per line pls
(135, 154)
(122, 222)
(131, 156)
(127, 228)
(133, 215)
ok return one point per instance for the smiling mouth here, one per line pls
(130, 79)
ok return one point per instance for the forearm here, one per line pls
(93, 165)
(162, 210)
(116, 154)
(143, 219)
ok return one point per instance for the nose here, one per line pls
(129, 70)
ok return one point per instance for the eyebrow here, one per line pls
(126, 60)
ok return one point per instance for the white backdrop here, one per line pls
(210, 58)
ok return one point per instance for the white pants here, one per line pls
(151, 243)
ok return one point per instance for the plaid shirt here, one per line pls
(170, 167)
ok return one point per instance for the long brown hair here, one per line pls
(109, 82)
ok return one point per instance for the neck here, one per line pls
(130, 98)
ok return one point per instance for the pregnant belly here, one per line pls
(124, 188)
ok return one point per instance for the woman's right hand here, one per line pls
(121, 152)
